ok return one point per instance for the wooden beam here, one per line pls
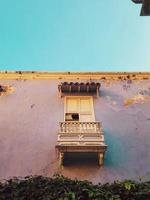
(145, 11)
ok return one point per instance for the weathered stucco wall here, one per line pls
(29, 120)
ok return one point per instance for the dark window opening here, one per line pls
(72, 117)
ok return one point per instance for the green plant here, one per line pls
(62, 188)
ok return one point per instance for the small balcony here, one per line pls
(81, 137)
(80, 128)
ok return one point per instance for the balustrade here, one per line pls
(80, 127)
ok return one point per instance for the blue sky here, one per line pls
(73, 35)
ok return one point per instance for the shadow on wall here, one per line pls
(105, 93)
(81, 159)
(112, 98)
(117, 153)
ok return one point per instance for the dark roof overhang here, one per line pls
(137, 1)
(82, 88)
(145, 11)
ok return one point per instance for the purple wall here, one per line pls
(29, 124)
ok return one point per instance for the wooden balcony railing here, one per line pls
(80, 127)
(81, 137)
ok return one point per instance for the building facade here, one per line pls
(37, 117)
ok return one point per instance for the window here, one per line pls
(79, 109)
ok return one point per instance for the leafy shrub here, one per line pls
(61, 188)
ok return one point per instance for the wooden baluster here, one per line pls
(85, 126)
(88, 126)
(66, 127)
(72, 128)
(82, 127)
(92, 126)
(69, 127)
(62, 127)
(76, 127)
(79, 127)
(96, 127)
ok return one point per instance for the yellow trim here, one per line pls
(74, 75)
